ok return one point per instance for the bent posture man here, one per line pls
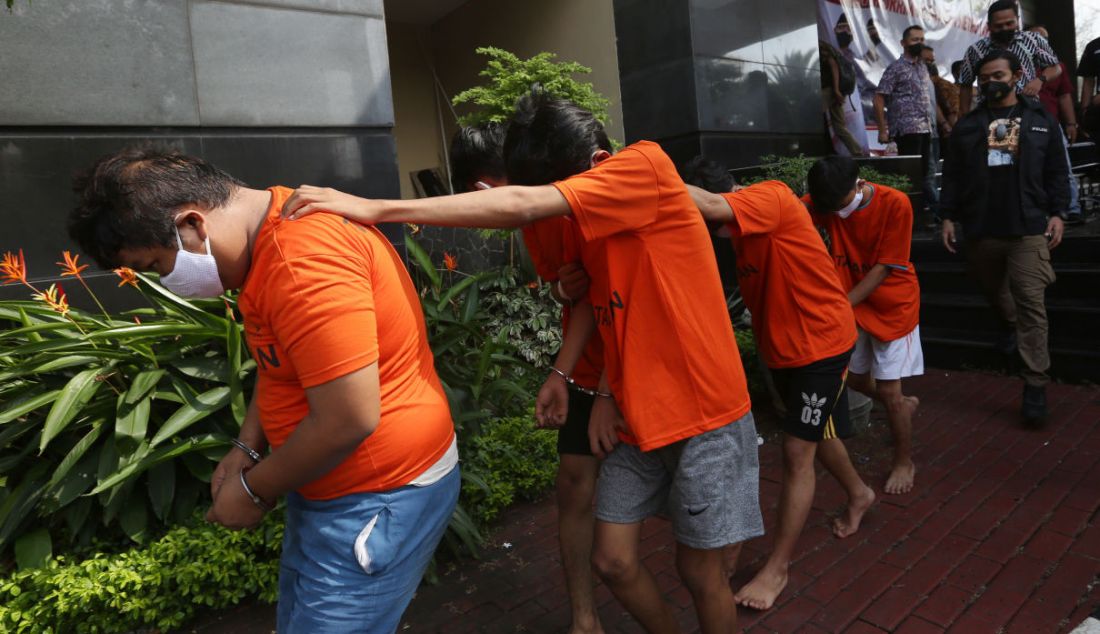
(362, 443)
(871, 230)
(805, 329)
(672, 366)
(477, 162)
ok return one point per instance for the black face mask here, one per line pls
(932, 70)
(914, 49)
(875, 39)
(995, 90)
(1003, 38)
(843, 39)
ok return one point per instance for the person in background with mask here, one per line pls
(906, 90)
(947, 93)
(1004, 180)
(838, 90)
(347, 398)
(871, 230)
(1038, 62)
(1058, 96)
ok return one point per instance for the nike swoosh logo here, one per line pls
(693, 512)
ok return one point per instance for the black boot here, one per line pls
(1035, 406)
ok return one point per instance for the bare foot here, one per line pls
(901, 478)
(848, 523)
(763, 590)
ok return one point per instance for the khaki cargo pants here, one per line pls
(1014, 274)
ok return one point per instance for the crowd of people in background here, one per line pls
(648, 392)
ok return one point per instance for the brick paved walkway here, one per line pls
(1001, 534)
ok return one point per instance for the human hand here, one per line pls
(1071, 132)
(883, 136)
(552, 403)
(233, 508)
(574, 281)
(946, 128)
(233, 463)
(1033, 87)
(603, 426)
(838, 97)
(308, 199)
(1055, 229)
(949, 235)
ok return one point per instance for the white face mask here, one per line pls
(850, 208)
(195, 274)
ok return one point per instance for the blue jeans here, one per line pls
(352, 564)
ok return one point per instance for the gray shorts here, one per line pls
(709, 485)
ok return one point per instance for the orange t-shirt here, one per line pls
(671, 358)
(881, 232)
(325, 297)
(800, 313)
(551, 243)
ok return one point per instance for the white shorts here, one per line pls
(889, 360)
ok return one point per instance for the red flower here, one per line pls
(70, 265)
(128, 276)
(450, 261)
(14, 269)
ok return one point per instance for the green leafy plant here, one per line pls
(510, 77)
(508, 461)
(528, 317)
(161, 585)
(109, 425)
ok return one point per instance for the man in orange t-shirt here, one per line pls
(871, 229)
(673, 387)
(477, 163)
(347, 398)
(805, 330)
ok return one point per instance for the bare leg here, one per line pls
(834, 456)
(704, 574)
(576, 485)
(899, 410)
(615, 557)
(795, 500)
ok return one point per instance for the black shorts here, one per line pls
(573, 435)
(816, 399)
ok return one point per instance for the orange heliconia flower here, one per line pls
(450, 261)
(70, 265)
(128, 276)
(55, 298)
(14, 269)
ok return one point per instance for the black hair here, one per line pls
(550, 139)
(909, 29)
(1001, 53)
(477, 152)
(128, 199)
(830, 180)
(928, 48)
(1002, 5)
(707, 174)
(955, 68)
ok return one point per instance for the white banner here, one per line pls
(876, 26)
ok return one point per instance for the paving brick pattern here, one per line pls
(1001, 534)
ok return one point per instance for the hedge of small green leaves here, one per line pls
(161, 585)
(203, 566)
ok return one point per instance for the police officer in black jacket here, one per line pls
(1005, 179)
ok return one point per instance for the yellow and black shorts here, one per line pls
(816, 399)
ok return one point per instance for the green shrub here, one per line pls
(161, 585)
(110, 424)
(792, 170)
(510, 460)
(530, 320)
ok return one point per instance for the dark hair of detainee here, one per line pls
(707, 174)
(830, 181)
(477, 152)
(550, 139)
(1000, 53)
(1002, 5)
(128, 199)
